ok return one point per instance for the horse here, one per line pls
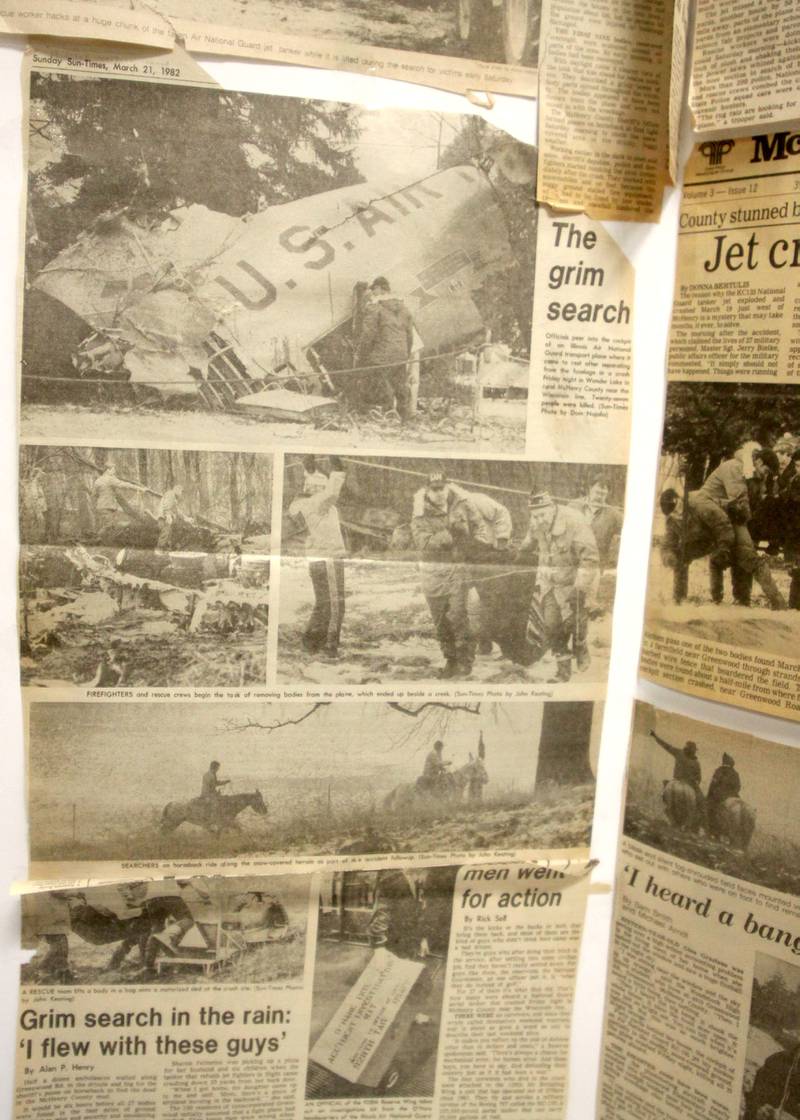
(471, 776)
(214, 817)
(736, 822)
(681, 804)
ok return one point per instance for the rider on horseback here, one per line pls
(687, 769)
(434, 776)
(724, 784)
(210, 795)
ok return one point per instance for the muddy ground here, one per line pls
(412, 26)
(756, 627)
(142, 426)
(388, 634)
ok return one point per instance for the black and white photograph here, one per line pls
(243, 930)
(771, 1081)
(726, 549)
(237, 268)
(480, 30)
(145, 780)
(400, 569)
(715, 797)
(382, 943)
(143, 567)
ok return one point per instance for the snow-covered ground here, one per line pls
(388, 633)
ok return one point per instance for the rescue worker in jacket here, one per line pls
(106, 489)
(566, 582)
(605, 520)
(316, 512)
(443, 578)
(169, 517)
(433, 778)
(169, 918)
(482, 528)
(685, 539)
(722, 504)
(775, 1094)
(725, 783)
(385, 340)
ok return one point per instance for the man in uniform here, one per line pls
(315, 511)
(394, 924)
(385, 340)
(724, 783)
(685, 539)
(442, 577)
(566, 581)
(434, 772)
(105, 489)
(169, 516)
(722, 504)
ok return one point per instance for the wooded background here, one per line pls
(233, 489)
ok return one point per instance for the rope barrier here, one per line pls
(208, 381)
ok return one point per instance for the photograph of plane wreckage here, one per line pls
(143, 567)
(216, 253)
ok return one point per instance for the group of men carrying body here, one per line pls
(730, 515)
(535, 597)
(725, 783)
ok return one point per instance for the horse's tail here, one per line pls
(741, 822)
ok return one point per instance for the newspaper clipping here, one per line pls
(324, 428)
(461, 45)
(339, 994)
(724, 591)
(744, 69)
(703, 1013)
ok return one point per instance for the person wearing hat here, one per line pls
(566, 580)
(443, 576)
(316, 513)
(687, 765)
(386, 342)
(725, 783)
(723, 505)
(434, 773)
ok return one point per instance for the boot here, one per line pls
(716, 582)
(583, 658)
(763, 577)
(448, 670)
(563, 670)
(742, 586)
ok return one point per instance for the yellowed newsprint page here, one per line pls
(116, 21)
(604, 114)
(744, 67)
(322, 479)
(460, 45)
(344, 993)
(703, 1004)
(722, 615)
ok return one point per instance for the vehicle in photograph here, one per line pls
(518, 22)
